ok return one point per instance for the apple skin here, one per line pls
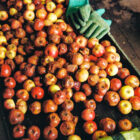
(112, 69)
(102, 63)
(98, 98)
(90, 127)
(98, 50)
(92, 42)
(110, 57)
(51, 50)
(123, 73)
(110, 49)
(88, 115)
(126, 92)
(81, 41)
(99, 134)
(124, 125)
(102, 88)
(29, 15)
(112, 98)
(124, 107)
(74, 137)
(106, 43)
(106, 80)
(119, 65)
(137, 91)
(132, 81)
(115, 84)
(135, 101)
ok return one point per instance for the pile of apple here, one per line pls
(47, 69)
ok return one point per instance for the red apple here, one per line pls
(88, 115)
(102, 63)
(112, 98)
(119, 64)
(132, 81)
(81, 41)
(90, 127)
(115, 84)
(106, 43)
(137, 91)
(79, 97)
(54, 29)
(39, 24)
(37, 93)
(5, 70)
(92, 42)
(123, 73)
(110, 57)
(98, 50)
(135, 101)
(106, 80)
(98, 98)
(102, 88)
(51, 50)
(41, 13)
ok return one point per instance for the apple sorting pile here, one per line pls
(56, 69)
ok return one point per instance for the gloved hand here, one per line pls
(89, 22)
(96, 26)
(79, 15)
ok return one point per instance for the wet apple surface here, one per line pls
(57, 84)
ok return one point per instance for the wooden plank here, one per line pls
(129, 42)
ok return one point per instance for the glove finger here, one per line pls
(90, 30)
(85, 12)
(81, 22)
(102, 34)
(73, 21)
(109, 22)
(97, 31)
(84, 28)
(100, 11)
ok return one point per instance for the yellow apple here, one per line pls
(126, 92)
(125, 107)
(74, 137)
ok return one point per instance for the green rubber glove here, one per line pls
(79, 16)
(133, 134)
(96, 26)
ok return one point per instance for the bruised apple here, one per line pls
(99, 134)
(112, 98)
(123, 73)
